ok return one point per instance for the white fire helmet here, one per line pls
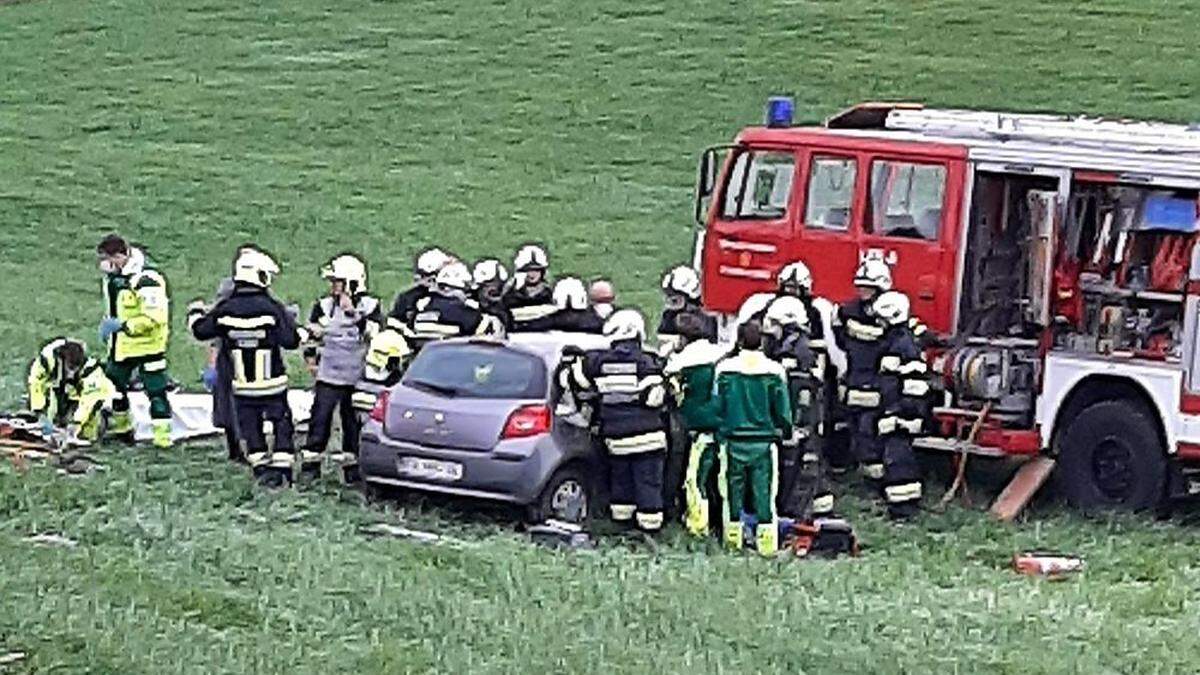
(626, 324)
(530, 257)
(454, 276)
(795, 274)
(570, 293)
(255, 267)
(873, 273)
(487, 271)
(430, 262)
(350, 270)
(892, 308)
(786, 311)
(682, 280)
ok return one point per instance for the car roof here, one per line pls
(546, 345)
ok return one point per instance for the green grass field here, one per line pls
(384, 127)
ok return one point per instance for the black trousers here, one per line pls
(327, 397)
(251, 412)
(637, 485)
(901, 475)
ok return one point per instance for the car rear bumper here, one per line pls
(512, 477)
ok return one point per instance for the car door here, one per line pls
(748, 239)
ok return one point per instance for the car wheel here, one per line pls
(1111, 457)
(567, 497)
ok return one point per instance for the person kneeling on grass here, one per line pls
(67, 389)
(755, 412)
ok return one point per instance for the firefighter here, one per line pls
(752, 404)
(603, 297)
(573, 315)
(387, 357)
(447, 312)
(68, 389)
(529, 296)
(690, 372)
(681, 295)
(489, 277)
(255, 329)
(218, 378)
(626, 385)
(803, 491)
(860, 336)
(904, 387)
(136, 329)
(344, 321)
(425, 269)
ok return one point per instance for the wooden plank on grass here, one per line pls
(1022, 488)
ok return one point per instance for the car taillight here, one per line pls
(526, 421)
(379, 412)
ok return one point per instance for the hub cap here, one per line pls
(569, 502)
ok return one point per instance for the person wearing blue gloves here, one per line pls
(68, 390)
(136, 329)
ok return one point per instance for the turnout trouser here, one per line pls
(864, 442)
(749, 473)
(274, 464)
(327, 397)
(636, 488)
(901, 476)
(152, 371)
(702, 462)
(804, 490)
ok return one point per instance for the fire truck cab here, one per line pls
(1053, 256)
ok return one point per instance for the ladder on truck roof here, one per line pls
(1115, 135)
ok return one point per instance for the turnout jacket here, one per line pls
(137, 295)
(752, 398)
(526, 304)
(859, 334)
(903, 383)
(405, 307)
(805, 378)
(254, 330)
(49, 385)
(691, 372)
(625, 384)
(668, 328)
(569, 321)
(345, 335)
(442, 316)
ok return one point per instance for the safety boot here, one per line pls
(697, 517)
(733, 535)
(767, 536)
(162, 434)
(120, 426)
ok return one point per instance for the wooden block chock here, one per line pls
(1021, 489)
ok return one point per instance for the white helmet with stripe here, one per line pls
(489, 270)
(430, 261)
(255, 267)
(350, 270)
(892, 308)
(786, 311)
(626, 324)
(682, 280)
(795, 274)
(530, 257)
(454, 276)
(873, 273)
(570, 293)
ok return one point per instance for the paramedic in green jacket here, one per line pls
(755, 412)
(691, 370)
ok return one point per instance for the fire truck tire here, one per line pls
(1111, 458)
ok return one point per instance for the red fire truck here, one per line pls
(1053, 256)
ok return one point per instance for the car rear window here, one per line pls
(477, 371)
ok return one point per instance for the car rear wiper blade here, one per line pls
(441, 389)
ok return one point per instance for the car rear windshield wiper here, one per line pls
(440, 389)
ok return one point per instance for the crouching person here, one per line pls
(67, 389)
(254, 329)
(752, 404)
(626, 384)
(904, 389)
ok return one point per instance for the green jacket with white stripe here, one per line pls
(692, 372)
(752, 398)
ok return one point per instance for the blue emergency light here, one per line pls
(779, 111)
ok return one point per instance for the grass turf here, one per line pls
(384, 127)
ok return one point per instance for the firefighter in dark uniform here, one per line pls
(447, 312)
(904, 387)
(681, 295)
(803, 491)
(627, 386)
(254, 330)
(529, 296)
(489, 278)
(860, 336)
(425, 271)
(572, 314)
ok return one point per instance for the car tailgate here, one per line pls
(467, 423)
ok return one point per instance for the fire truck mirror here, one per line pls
(706, 182)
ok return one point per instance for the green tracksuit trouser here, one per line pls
(749, 474)
(702, 461)
(153, 373)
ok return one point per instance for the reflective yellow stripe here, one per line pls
(239, 366)
(532, 312)
(914, 367)
(861, 398)
(893, 423)
(889, 364)
(822, 504)
(873, 471)
(650, 521)
(905, 492)
(915, 387)
(621, 512)
(864, 332)
(262, 363)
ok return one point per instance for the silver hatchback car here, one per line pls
(484, 418)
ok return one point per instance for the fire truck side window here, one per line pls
(760, 185)
(906, 199)
(830, 191)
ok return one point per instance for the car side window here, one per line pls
(830, 192)
(906, 199)
(759, 185)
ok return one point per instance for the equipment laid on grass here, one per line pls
(1053, 566)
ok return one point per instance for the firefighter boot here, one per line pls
(767, 536)
(120, 426)
(162, 434)
(733, 535)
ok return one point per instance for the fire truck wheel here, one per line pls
(1110, 457)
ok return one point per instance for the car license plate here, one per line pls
(432, 469)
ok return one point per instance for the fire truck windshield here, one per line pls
(759, 185)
